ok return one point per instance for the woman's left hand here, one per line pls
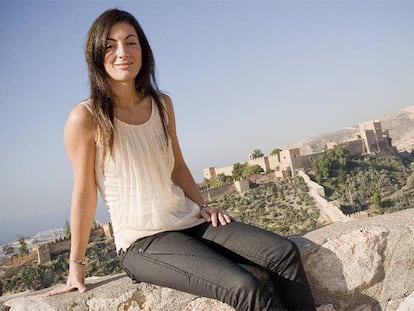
(215, 216)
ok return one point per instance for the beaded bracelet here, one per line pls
(78, 261)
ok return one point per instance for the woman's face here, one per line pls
(122, 53)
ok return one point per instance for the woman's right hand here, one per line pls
(214, 215)
(76, 281)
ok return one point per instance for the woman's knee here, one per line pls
(291, 248)
(284, 254)
(249, 293)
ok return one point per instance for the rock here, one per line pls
(361, 263)
(349, 262)
(364, 265)
(328, 307)
(407, 304)
(116, 292)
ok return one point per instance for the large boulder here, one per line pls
(363, 265)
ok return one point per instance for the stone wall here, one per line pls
(209, 172)
(212, 193)
(59, 246)
(330, 212)
(263, 162)
(374, 138)
(242, 185)
(307, 159)
(44, 252)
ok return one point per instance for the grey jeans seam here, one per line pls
(164, 264)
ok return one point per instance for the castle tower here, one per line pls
(43, 253)
(374, 138)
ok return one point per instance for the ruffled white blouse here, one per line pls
(136, 183)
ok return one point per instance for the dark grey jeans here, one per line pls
(204, 260)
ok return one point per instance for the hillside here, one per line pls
(282, 206)
(400, 125)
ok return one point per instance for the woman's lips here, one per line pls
(123, 65)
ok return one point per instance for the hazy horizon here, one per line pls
(242, 75)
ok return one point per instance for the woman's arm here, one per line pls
(181, 175)
(79, 137)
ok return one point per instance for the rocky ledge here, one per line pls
(355, 266)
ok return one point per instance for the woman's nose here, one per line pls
(121, 50)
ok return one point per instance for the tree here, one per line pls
(252, 169)
(376, 199)
(331, 163)
(216, 182)
(238, 169)
(66, 229)
(23, 246)
(243, 170)
(95, 224)
(257, 153)
(320, 167)
(276, 151)
(31, 277)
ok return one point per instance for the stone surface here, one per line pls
(350, 261)
(116, 293)
(407, 303)
(366, 262)
(364, 265)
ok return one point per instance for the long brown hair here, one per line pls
(101, 93)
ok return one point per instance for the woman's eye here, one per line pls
(132, 43)
(108, 46)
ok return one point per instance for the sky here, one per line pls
(243, 75)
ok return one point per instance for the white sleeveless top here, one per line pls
(136, 183)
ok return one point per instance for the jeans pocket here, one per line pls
(142, 245)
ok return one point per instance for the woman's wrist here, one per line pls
(77, 261)
(203, 206)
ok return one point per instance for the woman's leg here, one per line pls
(179, 261)
(244, 243)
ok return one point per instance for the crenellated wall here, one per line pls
(42, 253)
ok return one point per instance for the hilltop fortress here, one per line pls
(370, 140)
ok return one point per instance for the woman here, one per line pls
(123, 141)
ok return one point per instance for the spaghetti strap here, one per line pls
(87, 104)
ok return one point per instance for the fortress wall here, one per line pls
(263, 162)
(226, 170)
(274, 161)
(211, 194)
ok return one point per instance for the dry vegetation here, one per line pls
(281, 206)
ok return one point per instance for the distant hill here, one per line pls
(400, 125)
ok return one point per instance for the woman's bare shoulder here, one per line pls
(168, 104)
(81, 118)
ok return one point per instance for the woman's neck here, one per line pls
(125, 95)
